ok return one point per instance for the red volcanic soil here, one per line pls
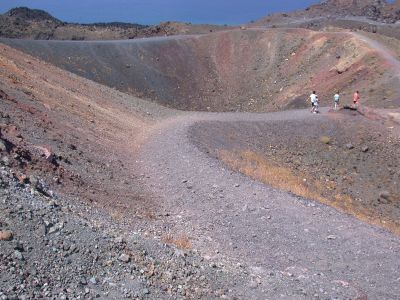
(77, 134)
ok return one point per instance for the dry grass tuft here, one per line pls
(258, 167)
(325, 139)
(181, 242)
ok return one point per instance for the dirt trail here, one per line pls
(382, 51)
(292, 246)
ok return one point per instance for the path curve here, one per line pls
(292, 246)
(383, 51)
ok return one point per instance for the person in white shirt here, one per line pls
(336, 98)
(313, 98)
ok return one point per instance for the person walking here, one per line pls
(313, 98)
(356, 98)
(336, 98)
(316, 105)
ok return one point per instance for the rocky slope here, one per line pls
(238, 70)
(377, 10)
(66, 182)
(372, 9)
(370, 16)
(51, 248)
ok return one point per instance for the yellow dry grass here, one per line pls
(258, 167)
(181, 242)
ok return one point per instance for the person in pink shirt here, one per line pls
(356, 98)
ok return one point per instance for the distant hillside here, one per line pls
(377, 10)
(26, 23)
(377, 16)
(27, 14)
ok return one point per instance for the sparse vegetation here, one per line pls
(258, 167)
(181, 242)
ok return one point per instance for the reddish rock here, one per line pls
(6, 235)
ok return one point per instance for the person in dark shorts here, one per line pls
(336, 98)
(313, 98)
(316, 105)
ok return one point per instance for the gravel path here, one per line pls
(291, 246)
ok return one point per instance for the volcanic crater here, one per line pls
(237, 70)
(151, 134)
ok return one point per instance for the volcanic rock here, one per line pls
(3, 146)
(364, 148)
(6, 235)
(124, 258)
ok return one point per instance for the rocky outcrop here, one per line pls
(27, 14)
(377, 10)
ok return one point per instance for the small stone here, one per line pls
(18, 255)
(73, 248)
(384, 195)
(364, 148)
(19, 246)
(52, 203)
(93, 280)
(331, 237)
(253, 285)
(53, 229)
(6, 235)
(34, 181)
(349, 146)
(6, 161)
(124, 258)
(119, 240)
(237, 185)
(3, 146)
(145, 291)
